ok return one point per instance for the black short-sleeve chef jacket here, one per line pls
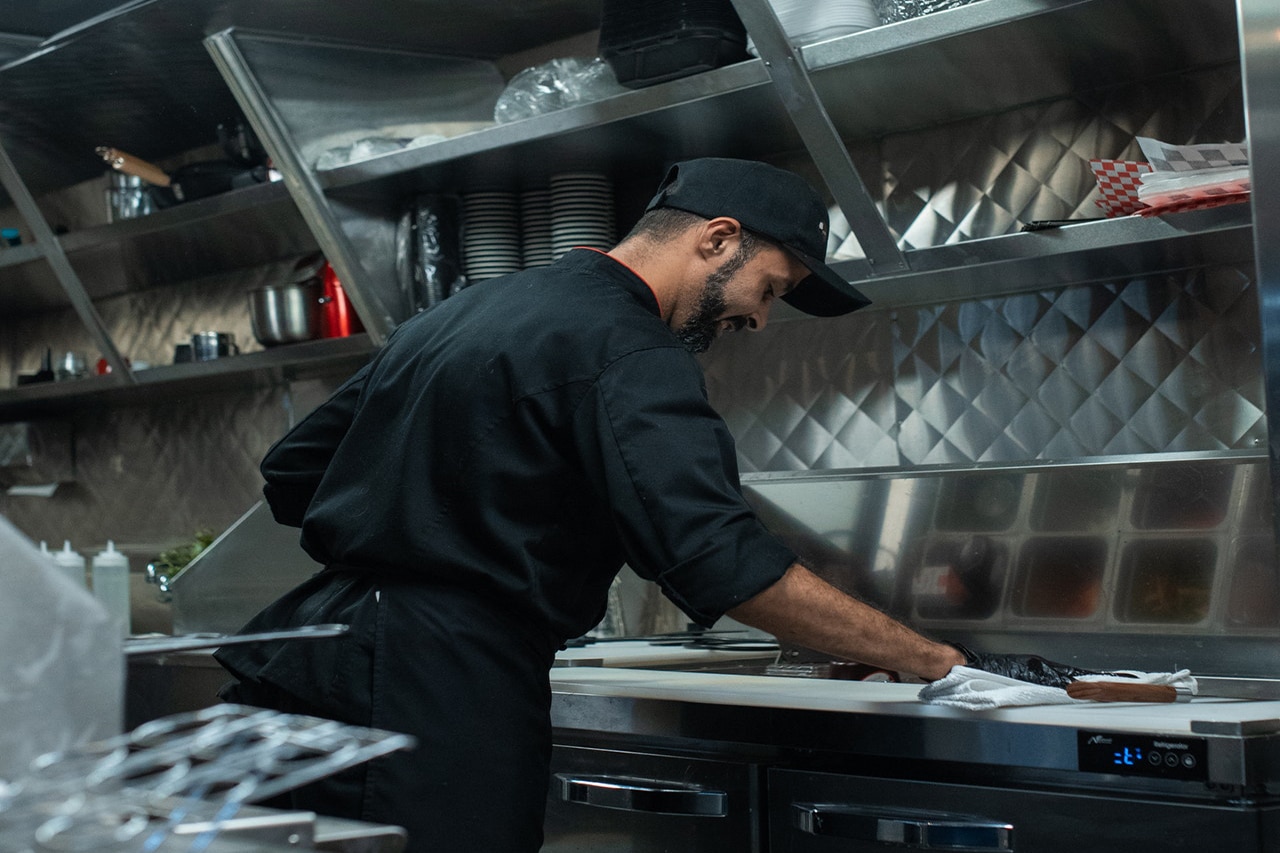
(523, 439)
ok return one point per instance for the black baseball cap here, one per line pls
(771, 202)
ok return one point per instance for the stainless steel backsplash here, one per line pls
(1161, 364)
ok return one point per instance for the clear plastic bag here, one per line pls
(369, 147)
(555, 85)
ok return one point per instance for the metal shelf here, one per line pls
(1088, 252)
(926, 71)
(895, 79)
(17, 255)
(237, 229)
(179, 216)
(1105, 250)
(255, 369)
(138, 78)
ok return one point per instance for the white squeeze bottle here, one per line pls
(71, 564)
(111, 585)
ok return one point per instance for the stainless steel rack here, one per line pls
(833, 97)
(817, 103)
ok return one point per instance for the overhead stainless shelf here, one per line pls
(980, 59)
(691, 115)
(179, 216)
(1105, 250)
(973, 60)
(235, 230)
(138, 78)
(255, 369)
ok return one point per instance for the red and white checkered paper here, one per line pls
(1200, 202)
(1118, 180)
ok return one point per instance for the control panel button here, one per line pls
(1137, 754)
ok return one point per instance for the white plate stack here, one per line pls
(806, 22)
(535, 228)
(581, 212)
(490, 235)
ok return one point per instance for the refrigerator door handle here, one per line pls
(642, 795)
(921, 830)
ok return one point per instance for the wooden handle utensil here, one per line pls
(131, 165)
(1121, 691)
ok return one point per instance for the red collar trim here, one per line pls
(633, 272)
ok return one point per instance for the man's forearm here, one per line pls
(804, 609)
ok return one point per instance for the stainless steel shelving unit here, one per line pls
(974, 60)
(188, 241)
(235, 230)
(813, 103)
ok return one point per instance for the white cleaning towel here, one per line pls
(976, 689)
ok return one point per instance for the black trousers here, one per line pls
(467, 680)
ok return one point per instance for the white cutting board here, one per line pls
(898, 699)
(637, 653)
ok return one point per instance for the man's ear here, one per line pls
(719, 235)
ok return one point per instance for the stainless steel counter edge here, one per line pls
(762, 717)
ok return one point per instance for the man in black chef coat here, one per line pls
(473, 491)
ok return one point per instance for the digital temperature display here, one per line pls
(1156, 756)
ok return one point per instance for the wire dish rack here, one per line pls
(145, 791)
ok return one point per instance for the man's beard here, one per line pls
(700, 330)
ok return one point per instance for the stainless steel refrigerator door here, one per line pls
(611, 801)
(854, 814)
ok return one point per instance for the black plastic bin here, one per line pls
(652, 41)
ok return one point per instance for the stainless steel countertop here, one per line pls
(860, 697)
(768, 713)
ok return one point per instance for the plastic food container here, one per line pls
(1060, 577)
(651, 41)
(1167, 581)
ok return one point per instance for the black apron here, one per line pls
(466, 679)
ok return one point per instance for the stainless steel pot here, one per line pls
(286, 313)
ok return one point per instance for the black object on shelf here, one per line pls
(201, 180)
(652, 41)
(44, 374)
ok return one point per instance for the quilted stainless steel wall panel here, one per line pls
(1167, 363)
(1164, 363)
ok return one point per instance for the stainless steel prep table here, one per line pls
(820, 756)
